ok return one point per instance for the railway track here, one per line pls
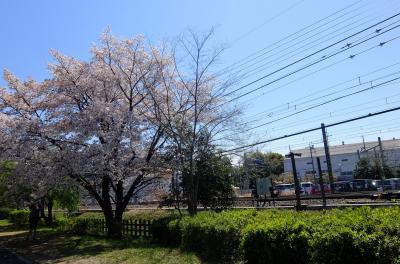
(309, 202)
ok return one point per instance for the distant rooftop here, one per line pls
(350, 148)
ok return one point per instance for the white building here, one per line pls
(344, 158)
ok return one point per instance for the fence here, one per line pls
(130, 228)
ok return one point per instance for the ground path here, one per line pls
(7, 257)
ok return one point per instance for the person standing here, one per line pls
(33, 221)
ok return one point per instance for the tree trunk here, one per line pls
(119, 208)
(49, 219)
(114, 226)
(192, 201)
(49, 204)
(41, 209)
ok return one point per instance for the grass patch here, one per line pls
(6, 226)
(4, 223)
(54, 247)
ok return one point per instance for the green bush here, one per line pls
(166, 231)
(19, 217)
(216, 236)
(362, 235)
(63, 222)
(91, 215)
(4, 213)
(135, 214)
(345, 245)
(73, 225)
(79, 227)
(279, 241)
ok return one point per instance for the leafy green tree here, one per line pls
(388, 172)
(6, 170)
(363, 169)
(13, 200)
(17, 189)
(275, 161)
(376, 169)
(215, 185)
(372, 168)
(67, 198)
(258, 165)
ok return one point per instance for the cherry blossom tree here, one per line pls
(94, 120)
(110, 123)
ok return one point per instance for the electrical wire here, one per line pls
(305, 67)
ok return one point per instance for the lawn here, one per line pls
(54, 247)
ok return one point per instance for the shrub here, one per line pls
(74, 225)
(91, 215)
(4, 213)
(362, 235)
(279, 241)
(150, 214)
(216, 236)
(79, 227)
(63, 222)
(19, 217)
(166, 231)
(135, 215)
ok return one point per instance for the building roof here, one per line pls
(350, 148)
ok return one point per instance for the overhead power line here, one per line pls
(300, 100)
(298, 105)
(299, 50)
(310, 55)
(326, 102)
(318, 61)
(334, 114)
(390, 82)
(249, 57)
(312, 129)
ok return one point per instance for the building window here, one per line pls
(309, 163)
(345, 159)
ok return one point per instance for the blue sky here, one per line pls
(29, 29)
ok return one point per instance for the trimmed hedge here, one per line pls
(19, 217)
(167, 231)
(278, 241)
(361, 235)
(73, 225)
(135, 214)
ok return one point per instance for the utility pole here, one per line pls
(327, 156)
(381, 156)
(246, 178)
(321, 183)
(312, 162)
(364, 143)
(291, 155)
